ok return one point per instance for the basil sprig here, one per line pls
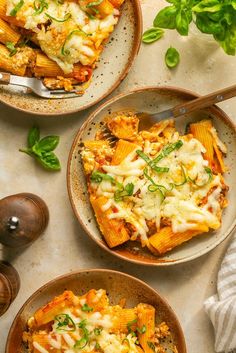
(42, 149)
(214, 17)
(172, 57)
(17, 8)
(11, 47)
(152, 35)
(64, 323)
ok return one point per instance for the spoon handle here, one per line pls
(204, 101)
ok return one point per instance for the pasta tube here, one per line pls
(123, 149)
(113, 230)
(146, 326)
(165, 240)
(7, 34)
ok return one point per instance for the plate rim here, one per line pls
(162, 89)
(133, 55)
(99, 270)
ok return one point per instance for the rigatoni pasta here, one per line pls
(66, 36)
(157, 187)
(88, 323)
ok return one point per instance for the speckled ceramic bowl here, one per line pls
(113, 66)
(118, 285)
(151, 100)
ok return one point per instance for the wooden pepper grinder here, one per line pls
(9, 285)
(23, 217)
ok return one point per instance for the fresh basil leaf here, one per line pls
(33, 136)
(47, 144)
(126, 191)
(98, 177)
(182, 22)
(49, 161)
(11, 47)
(17, 8)
(206, 25)
(166, 18)
(152, 35)
(172, 58)
(208, 6)
(229, 42)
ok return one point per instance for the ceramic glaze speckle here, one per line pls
(113, 67)
(152, 100)
(118, 285)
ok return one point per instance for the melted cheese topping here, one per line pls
(65, 340)
(183, 205)
(76, 40)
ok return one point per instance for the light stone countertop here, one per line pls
(64, 246)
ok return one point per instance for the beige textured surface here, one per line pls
(64, 247)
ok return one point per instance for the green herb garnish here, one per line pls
(142, 330)
(210, 177)
(184, 177)
(11, 47)
(125, 191)
(75, 31)
(97, 331)
(97, 346)
(87, 308)
(151, 345)
(42, 149)
(152, 163)
(130, 324)
(152, 35)
(92, 4)
(66, 18)
(81, 343)
(98, 177)
(39, 6)
(64, 323)
(172, 58)
(17, 8)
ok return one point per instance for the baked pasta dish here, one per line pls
(156, 187)
(87, 323)
(57, 40)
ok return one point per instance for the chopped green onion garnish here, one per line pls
(151, 345)
(67, 16)
(64, 323)
(210, 177)
(126, 191)
(152, 163)
(184, 177)
(39, 9)
(143, 329)
(11, 47)
(17, 8)
(98, 177)
(85, 307)
(97, 331)
(81, 343)
(75, 31)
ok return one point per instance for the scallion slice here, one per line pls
(17, 8)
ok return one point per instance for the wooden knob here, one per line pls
(9, 286)
(23, 217)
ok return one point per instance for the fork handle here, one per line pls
(5, 78)
(205, 101)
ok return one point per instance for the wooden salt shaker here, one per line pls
(23, 217)
(9, 286)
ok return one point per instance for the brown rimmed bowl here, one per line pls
(113, 66)
(152, 99)
(117, 284)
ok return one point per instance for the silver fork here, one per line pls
(36, 86)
